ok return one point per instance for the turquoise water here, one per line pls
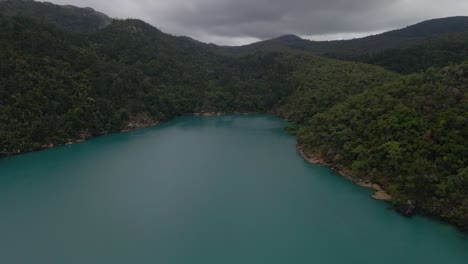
(222, 190)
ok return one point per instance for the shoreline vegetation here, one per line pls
(131, 126)
(379, 193)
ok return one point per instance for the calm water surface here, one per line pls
(203, 190)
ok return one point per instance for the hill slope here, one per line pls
(438, 52)
(68, 17)
(410, 135)
(435, 42)
(401, 38)
(59, 86)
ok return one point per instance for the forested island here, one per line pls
(390, 109)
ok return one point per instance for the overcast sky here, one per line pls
(235, 22)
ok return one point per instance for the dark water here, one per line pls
(205, 190)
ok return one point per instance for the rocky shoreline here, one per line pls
(380, 193)
(406, 209)
(131, 126)
(209, 114)
(136, 124)
(222, 113)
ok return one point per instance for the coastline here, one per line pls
(221, 113)
(131, 126)
(379, 194)
(208, 114)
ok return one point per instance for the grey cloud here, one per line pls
(241, 21)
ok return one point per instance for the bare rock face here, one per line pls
(408, 208)
(142, 120)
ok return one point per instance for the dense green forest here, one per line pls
(432, 53)
(61, 86)
(410, 135)
(68, 17)
(68, 74)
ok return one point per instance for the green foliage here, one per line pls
(293, 129)
(58, 86)
(433, 53)
(432, 43)
(66, 17)
(322, 83)
(410, 135)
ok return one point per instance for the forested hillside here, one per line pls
(67, 17)
(418, 47)
(60, 87)
(70, 77)
(411, 135)
(434, 53)
(396, 39)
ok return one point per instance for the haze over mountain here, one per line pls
(69, 17)
(400, 38)
(434, 42)
(69, 74)
(238, 22)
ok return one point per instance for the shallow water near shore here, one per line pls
(220, 189)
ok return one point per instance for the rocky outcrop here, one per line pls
(202, 113)
(139, 122)
(407, 209)
(380, 193)
(314, 159)
(209, 114)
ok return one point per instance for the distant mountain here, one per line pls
(434, 42)
(432, 53)
(67, 17)
(401, 38)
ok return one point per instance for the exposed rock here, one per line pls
(314, 159)
(408, 208)
(382, 196)
(139, 122)
(209, 114)
(380, 193)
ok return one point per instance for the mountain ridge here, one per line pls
(68, 17)
(398, 38)
(407, 36)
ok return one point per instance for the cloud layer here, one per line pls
(234, 22)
